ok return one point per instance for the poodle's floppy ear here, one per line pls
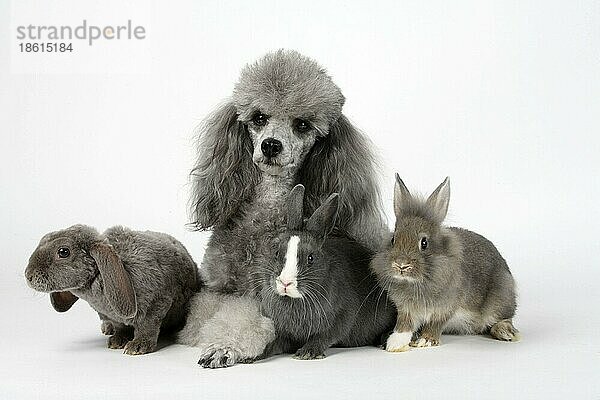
(342, 162)
(224, 174)
(295, 204)
(62, 301)
(322, 221)
(117, 284)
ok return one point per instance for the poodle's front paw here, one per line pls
(117, 341)
(140, 346)
(398, 342)
(214, 357)
(107, 328)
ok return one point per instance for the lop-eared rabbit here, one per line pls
(139, 280)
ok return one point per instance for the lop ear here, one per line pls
(439, 200)
(401, 196)
(322, 221)
(62, 301)
(117, 284)
(295, 204)
(224, 174)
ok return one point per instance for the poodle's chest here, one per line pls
(241, 249)
(237, 252)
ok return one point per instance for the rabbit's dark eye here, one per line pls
(301, 126)
(309, 259)
(424, 243)
(63, 252)
(259, 119)
(393, 240)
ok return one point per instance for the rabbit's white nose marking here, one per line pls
(286, 282)
(289, 289)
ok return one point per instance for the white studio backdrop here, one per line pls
(503, 97)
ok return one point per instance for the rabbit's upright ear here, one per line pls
(295, 204)
(62, 301)
(401, 196)
(322, 221)
(439, 200)
(117, 284)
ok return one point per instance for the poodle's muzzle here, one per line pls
(278, 150)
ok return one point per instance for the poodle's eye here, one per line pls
(63, 252)
(423, 244)
(302, 126)
(309, 259)
(259, 119)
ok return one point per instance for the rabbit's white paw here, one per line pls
(398, 341)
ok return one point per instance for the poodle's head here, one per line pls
(286, 101)
(285, 120)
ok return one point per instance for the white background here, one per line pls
(503, 97)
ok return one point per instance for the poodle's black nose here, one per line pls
(271, 147)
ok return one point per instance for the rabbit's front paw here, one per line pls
(310, 352)
(398, 342)
(213, 357)
(117, 341)
(425, 341)
(107, 328)
(139, 346)
(504, 330)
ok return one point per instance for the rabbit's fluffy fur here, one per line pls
(442, 279)
(139, 280)
(239, 188)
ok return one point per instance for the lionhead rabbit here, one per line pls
(442, 279)
(319, 292)
(139, 280)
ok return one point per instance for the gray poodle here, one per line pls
(282, 126)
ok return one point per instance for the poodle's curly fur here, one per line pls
(239, 190)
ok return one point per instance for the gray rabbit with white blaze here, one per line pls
(139, 280)
(319, 291)
(442, 279)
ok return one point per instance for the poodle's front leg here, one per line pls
(228, 329)
(237, 333)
